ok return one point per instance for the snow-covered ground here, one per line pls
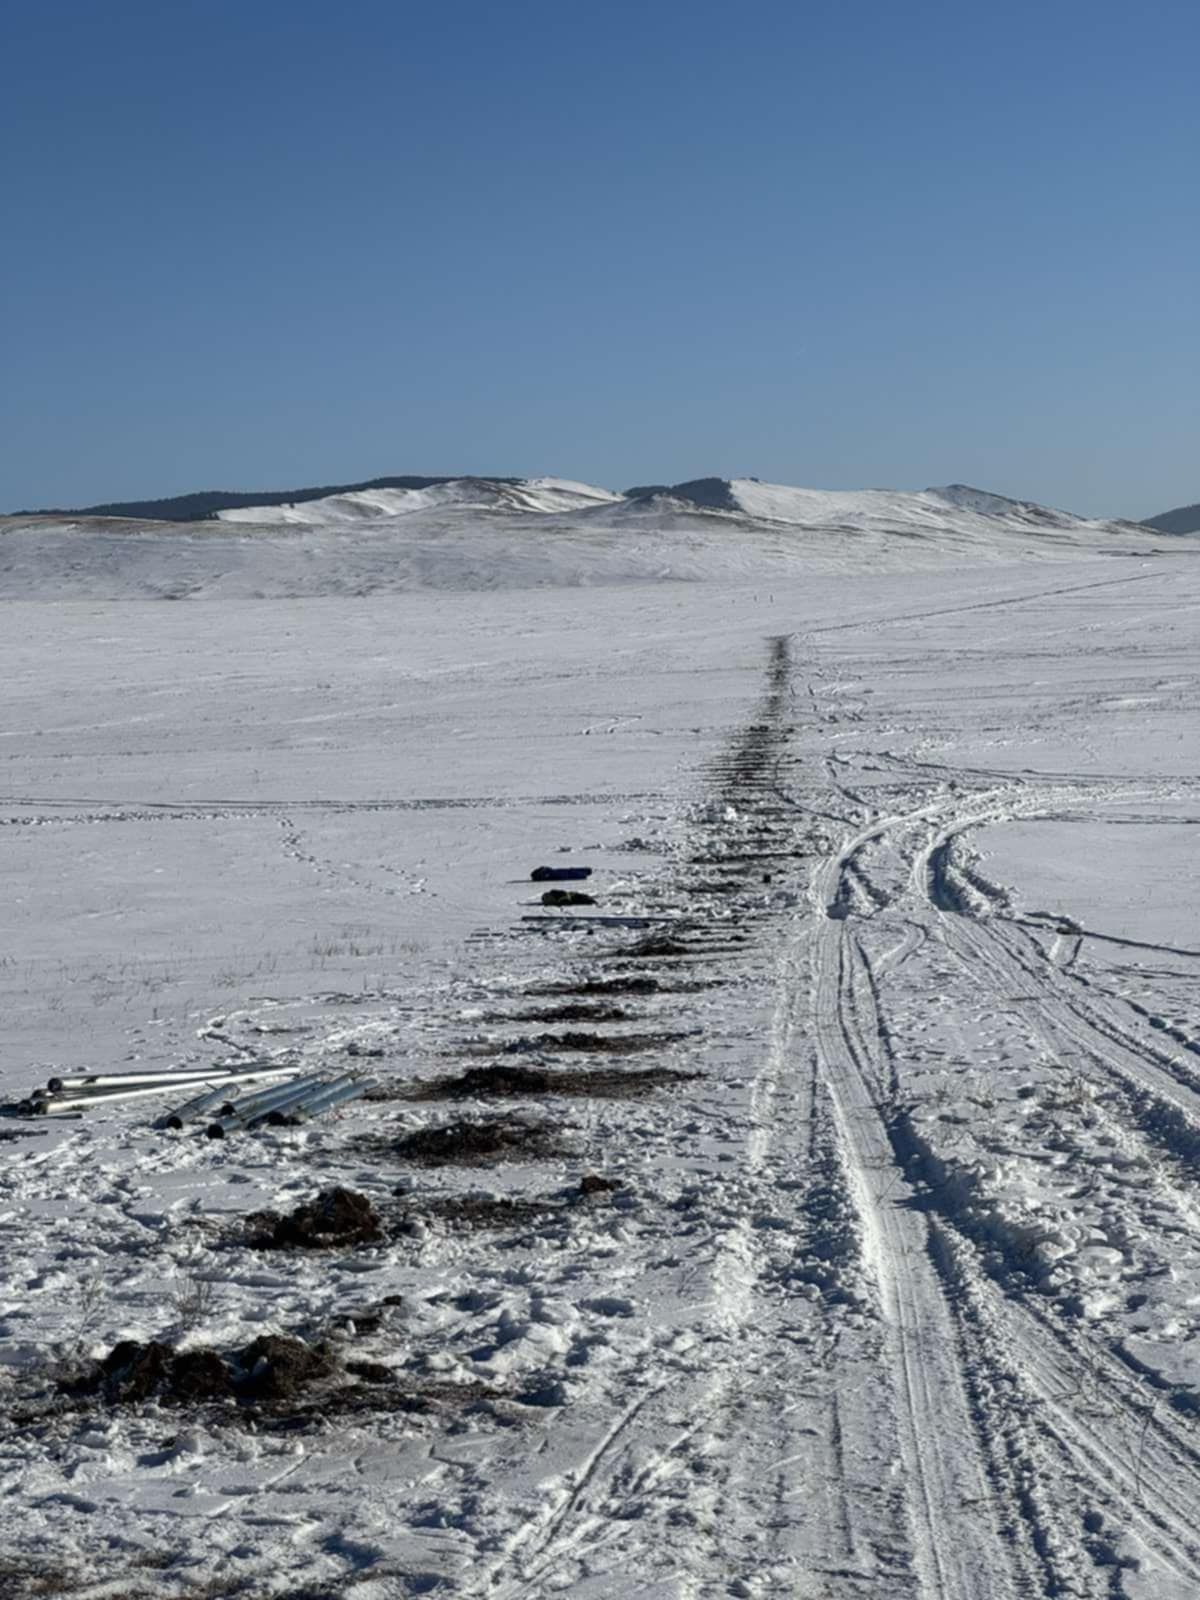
(899, 1295)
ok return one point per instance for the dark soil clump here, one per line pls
(336, 1218)
(576, 1040)
(497, 1080)
(610, 1084)
(473, 1143)
(277, 1368)
(276, 1382)
(132, 1371)
(593, 1183)
(620, 1044)
(273, 1367)
(370, 1371)
(567, 1013)
(200, 1375)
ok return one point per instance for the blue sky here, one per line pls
(261, 244)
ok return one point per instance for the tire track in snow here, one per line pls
(861, 623)
(1004, 959)
(1143, 1465)
(956, 1555)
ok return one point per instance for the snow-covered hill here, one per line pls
(474, 533)
(537, 495)
(870, 510)
(1184, 519)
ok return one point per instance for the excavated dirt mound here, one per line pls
(199, 1375)
(613, 1044)
(274, 1367)
(618, 1044)
(490, 1082)
(276, 1382)
(594, 1183)
(477, 1142)
(335, 1218)
(577, 1012)
(278, 1368)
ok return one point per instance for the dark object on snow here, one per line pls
(334, 1218)
(475, 1142)
(559, 874)
(199, 1375)
(599, 1083)
(567, 897)
(497, 1080)
(273, 1367)
(616, 1044)
(370, 1371)
(592, 1183)
(276, 1367)
(133, 1371)
(574, 1011)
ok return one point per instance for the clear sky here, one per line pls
(267, 243)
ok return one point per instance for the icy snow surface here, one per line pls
(899, 1295)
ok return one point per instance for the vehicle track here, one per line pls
(1104, 1423)
(939, 1444)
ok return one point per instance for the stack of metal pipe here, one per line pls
(287, 1103)
(91, 1090)
(216, 1089)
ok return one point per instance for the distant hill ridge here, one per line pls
(207, 502)
(707, 496)
(479, 534)
(715, 493)
(1184, 519)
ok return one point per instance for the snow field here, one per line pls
(896, 1296)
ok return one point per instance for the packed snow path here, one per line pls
(899, 1296)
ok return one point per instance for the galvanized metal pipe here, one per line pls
(246, 1104)
(42, 1103)
(51, 1105)
(255, 1109)
(104, 1080)
(193, 1108)
(322, 1100)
